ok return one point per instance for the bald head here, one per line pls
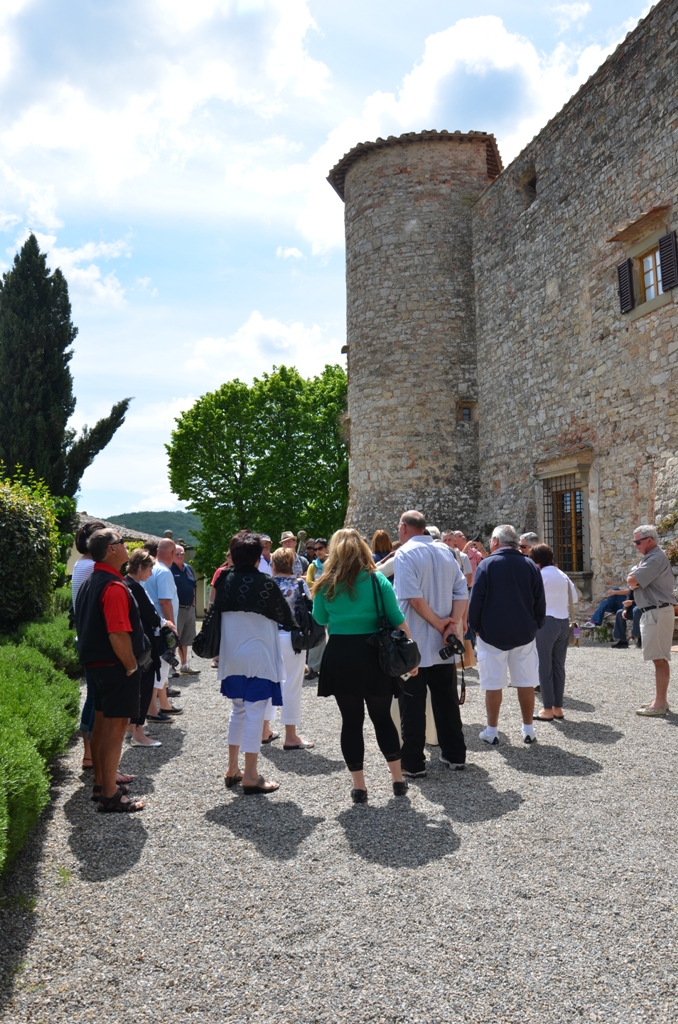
(166, 548)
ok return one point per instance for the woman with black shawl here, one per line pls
(251, 666)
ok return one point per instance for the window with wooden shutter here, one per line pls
(668, 260)
(625, 280)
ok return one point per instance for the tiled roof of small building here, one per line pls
(124, 531)
(338, 173)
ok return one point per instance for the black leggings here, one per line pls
(352, 717)
(146, 685)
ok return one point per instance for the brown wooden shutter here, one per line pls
(669, 261)
(625, 279)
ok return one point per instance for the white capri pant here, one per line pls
(292, 685)
(245, 725)
(161, 683)
(494, 665)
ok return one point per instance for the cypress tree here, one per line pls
(36, 385)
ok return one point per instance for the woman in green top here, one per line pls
(343, 600)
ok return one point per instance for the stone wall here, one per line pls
(562, 374)
(410, 321)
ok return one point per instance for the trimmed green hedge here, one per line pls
(55, 640)
(25, 787)
(39, 707)
(28, 551)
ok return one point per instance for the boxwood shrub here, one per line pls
(28, 552)
(25, 786)
(55, 640)
(39, 707)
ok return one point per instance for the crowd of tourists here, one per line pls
(509, 609)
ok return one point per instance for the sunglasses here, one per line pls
(637, 542)
(524, 547)
(114, 543)
(321, 547)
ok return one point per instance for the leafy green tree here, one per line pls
(272, 457)
(36, 386)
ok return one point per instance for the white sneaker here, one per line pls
(492, 740)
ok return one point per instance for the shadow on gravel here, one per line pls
(277, 830)
(109, 845)
(588, 732)
(572, 704)
(143, 763)
(543, 759)
(302, 762)
(397, 836)
(20, 894)
(106, 845)
(468, 796)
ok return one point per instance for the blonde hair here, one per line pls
(283, 560)
(349, 556)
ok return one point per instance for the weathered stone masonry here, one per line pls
(465, 284)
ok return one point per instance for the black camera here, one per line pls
(452, 646)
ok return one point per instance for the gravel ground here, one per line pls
(537, 886)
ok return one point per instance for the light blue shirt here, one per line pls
(159, 586)
(429, 570)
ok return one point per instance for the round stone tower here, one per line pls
(411, 324)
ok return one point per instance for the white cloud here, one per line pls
(145, 285)
(258, 343)
(84, 282)
(464, 54)
(570, 14)
(289, 254)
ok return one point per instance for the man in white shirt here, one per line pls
(162, 590)
(432, 594)
(265, 560)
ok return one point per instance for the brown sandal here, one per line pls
(232, 780)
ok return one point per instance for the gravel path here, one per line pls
(537, 886)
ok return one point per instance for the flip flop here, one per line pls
(304, 745)
(262, 786)
(87, 764)
(273, 736)
(559, 718)
(122, 779)
(540, 718)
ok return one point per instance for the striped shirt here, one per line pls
(429, 570)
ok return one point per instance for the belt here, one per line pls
(651, 607)
(190, 605)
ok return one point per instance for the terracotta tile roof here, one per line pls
(124, 531)
(338, 173)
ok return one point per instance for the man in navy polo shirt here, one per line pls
(186, 584)
(506, 609)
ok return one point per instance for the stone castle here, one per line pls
(511, 332)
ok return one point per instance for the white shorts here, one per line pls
(494, 665)
(656, 632)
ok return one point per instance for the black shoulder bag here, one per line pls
(310, 633)
(397, 653)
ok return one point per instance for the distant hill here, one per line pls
(182, 524)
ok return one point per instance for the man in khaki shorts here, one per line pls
(652, 584)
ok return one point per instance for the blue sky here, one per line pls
(171, 156)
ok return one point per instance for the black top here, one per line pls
(94, 644)
(150, 620)
(508, 604)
